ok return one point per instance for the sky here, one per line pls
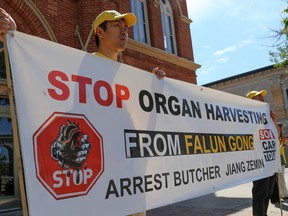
(231, 37)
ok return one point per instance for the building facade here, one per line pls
(161, 37)
(274, 80)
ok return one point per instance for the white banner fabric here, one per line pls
(103, 138)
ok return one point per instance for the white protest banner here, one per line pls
(103, 138)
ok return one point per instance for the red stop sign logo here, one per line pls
(68, 153)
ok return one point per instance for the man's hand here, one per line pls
(159, 73)
(6, 23)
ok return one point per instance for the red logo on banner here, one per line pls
(266, 134)
(68, 153)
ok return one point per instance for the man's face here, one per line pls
(116, 35)
(258, 98)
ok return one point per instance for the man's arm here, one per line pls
(274, 119)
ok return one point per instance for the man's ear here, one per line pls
(100, 32)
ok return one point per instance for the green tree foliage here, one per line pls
(280, 55)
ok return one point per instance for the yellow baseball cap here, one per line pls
(111, 15)
(252, 94)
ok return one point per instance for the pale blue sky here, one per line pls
(231, 37)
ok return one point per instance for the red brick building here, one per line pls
(161, 37)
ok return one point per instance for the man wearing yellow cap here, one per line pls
(111, 35)
(262, 188)
(111, 32)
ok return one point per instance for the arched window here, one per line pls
(141, 28)
(168, 27)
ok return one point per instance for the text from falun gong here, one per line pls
(140, 143)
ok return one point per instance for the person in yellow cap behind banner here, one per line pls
(111, 36)
(262, 188)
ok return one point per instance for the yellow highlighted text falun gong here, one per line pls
(205, 144)
(140, 143)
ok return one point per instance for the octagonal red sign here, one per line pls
(68, 154)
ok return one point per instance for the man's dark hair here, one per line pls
(104, 27)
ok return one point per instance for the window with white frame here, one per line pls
(168, 27)
(141, 28)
